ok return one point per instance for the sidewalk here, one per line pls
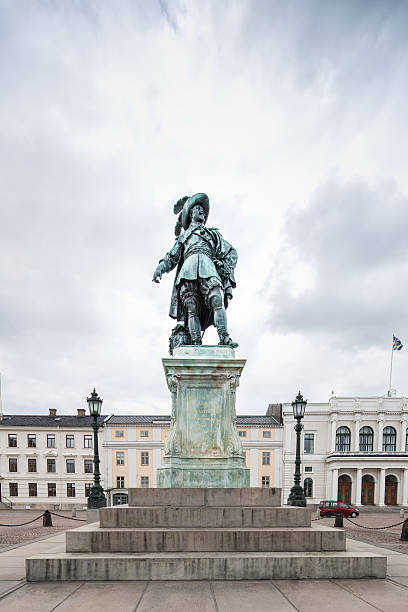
(389, 595)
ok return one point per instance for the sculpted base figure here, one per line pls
(205, 274)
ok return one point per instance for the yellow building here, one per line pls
(133, 450)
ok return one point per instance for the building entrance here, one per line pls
(367, 490)
(391, 490)
(344, 489)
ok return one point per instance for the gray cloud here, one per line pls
(351, 237)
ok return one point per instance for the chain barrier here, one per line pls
(22, 524)
(41, 516)
(386, 527)
(68, 517)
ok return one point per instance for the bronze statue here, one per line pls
(204, 278)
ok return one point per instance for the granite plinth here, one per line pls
(203, 448)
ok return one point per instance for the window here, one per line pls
(266, 458)
(144, 433)
(52, 489)
(12, 440)
(266, 434)
(69, 441)
(308, 443)
(31, 440)
(343, 438)
(244, 455)
(88, 466)
(144, 458)
(51, 465)
(120, 458)
(32, 489)
(119, 433)
(71, 466)
(308, 468)
(120, 482)
(308, 487)
(265, 482)
(389, 439)
(144, 482)
(366, 439)
(71, 489)
(88, 441)
(242, 434)
(12, 464)
(406, 440)
(32, 465)
(87, 489)
(50, 441)
(13, 489)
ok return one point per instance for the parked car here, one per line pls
(331, 508)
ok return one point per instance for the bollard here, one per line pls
(47, 519)
(404, 531)
(402, 513)
(338, 522)
(73, 511)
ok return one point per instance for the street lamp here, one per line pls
(96, 497)
(297, 495)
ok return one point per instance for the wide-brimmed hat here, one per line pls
(198, 198)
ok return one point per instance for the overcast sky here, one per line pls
(291, 116)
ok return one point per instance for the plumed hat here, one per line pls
(185, 205)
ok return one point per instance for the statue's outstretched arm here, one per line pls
(169, 261)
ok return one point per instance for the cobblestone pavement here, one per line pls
(382, 537)
(16, 535)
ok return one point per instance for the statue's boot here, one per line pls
(194, 328)
(220, 322)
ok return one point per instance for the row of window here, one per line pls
(265, 434)
(51, 465)
(32, 441)
(52, 489)
(366, 439)
(119, 433)
(144, 458)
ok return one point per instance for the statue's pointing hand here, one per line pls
(157, 274)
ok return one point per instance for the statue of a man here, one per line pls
(205, 274)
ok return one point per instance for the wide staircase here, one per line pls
(204, 534)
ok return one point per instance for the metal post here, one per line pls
(96, 497)
(297, 495)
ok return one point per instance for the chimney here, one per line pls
(81, 412)
(53, 411)
(275, 411)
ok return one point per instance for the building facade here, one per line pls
(133, 450)
(353, 449)
(46, 461)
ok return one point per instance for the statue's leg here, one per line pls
(215, 299)
(190, 299)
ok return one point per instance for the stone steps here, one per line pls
(92, 539)
(205, 497)
(204, 516)
(205, 566)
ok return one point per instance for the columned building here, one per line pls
(133, 450)
(354, 449)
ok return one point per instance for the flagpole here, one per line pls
(392, 353)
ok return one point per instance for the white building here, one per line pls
(46, 461)
(353, 449)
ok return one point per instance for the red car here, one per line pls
(331, 508)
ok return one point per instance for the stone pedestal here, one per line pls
(203, 448)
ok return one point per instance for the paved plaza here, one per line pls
(390, 595)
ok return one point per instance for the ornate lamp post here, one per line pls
(96, 497)
(297, 495)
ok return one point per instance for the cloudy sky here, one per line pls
(291, 115)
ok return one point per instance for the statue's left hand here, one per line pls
(157, 275)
